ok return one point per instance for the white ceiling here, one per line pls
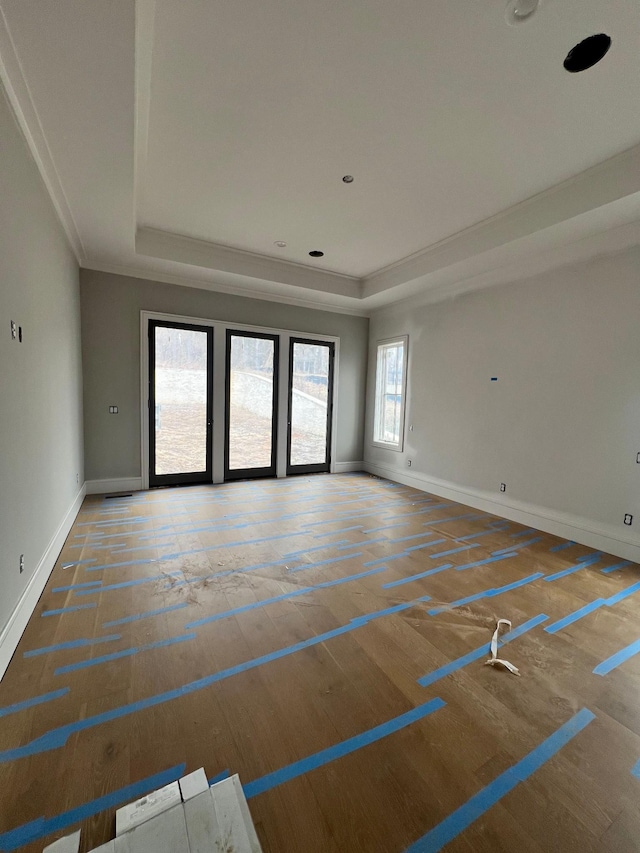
(180, 138)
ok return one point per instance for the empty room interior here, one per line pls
(319, 426)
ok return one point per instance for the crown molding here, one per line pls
(22, 105)
(217, 287)
(610, 181)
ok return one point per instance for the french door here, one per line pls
(180, 403)
(251, 405)
(311, 366)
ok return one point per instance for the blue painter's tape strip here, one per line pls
(625, 593)
(123, 584)
(384, 527)
(55, 738)
(70, 564)
(485, 561)
(424, 545)
(35, 700)
(562, 546)
(219, 777)
(573, 617)
(417, 577)
(255, 604)
(346, 747)
(293, 554)
(125, 653)
(620, 657)
(454, 666)
(523, 532)
(70, 609)
(621, 565)
(71, 644)
(453, 551)
(475, 535)
(582, 564)
(489, 593)
(328, 562)
(41, 827)
(76, 586)
(359, 544)
(145, 615)
(463, 817)
(339, 530)
(636, 770)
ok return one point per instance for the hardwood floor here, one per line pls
(273, 629)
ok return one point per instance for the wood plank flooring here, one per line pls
(274, 629)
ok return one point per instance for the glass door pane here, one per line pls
(180, 359)
(252, 369)
(310, 404)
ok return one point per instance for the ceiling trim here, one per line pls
(202, 253)
(609, 181)
(204, 284)
(23, 107)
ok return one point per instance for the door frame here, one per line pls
(317, 467)
(249, 473)
(180, 479)
(219, 413)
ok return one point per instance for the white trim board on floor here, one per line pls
(13, 630)
(118, 484)
(602, 537)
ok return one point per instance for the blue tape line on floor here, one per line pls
(144, 615)
(453, 551)
(35, 700)
(55, 738)
(417, 577)
(293, 554)
(589, 608)
(486, 561)
(378, 529)
(562, 546)
(124, 653)
(124, 584)
(41, 827)
(71, 644)
(618, 658)
(76, 586)
(523, 532)
(463, 817)
(215, 617)
(582, 564)
(318, 759)
(339, 530)
(489, 593)
(328, 562)
(405, 553)
(70, 609)
(482, 651)
(613, 568)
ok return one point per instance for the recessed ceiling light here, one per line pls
(588, 53)
(519, 11)
(348, 179)
(316, 254)
(280, 244)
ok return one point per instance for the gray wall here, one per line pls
(41, 378)
(111, 306)
(561, 426)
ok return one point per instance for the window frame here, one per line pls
(385, 343)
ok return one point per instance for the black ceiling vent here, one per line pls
(588, 53)
(316, 254)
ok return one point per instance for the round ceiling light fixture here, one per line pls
(587, 53)
(316, 253)
(348, 179)
(519, 11)
(280, 244)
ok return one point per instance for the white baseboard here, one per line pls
(13, 630)
(105, 487)
(347, 467)
(602, 537)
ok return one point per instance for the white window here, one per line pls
(391, 368)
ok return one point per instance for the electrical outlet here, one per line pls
(77, 479)
(638, 458)
(628, 518)
(503, 487)
(21, 563)
(113, 410)
(408, 463)
(14, 330)
(411, 430)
